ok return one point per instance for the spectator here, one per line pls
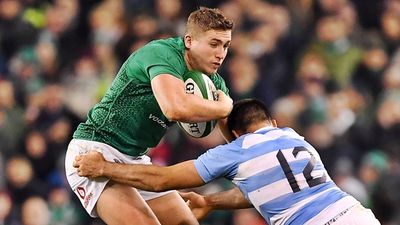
(35, 211)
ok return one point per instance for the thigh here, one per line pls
(120, 204)
(170, 209)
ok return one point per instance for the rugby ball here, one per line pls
(201, 85)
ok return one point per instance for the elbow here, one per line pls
(174, 112)
(172, 115)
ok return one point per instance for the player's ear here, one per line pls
(274, 123)
(188, 41)
(235, 134)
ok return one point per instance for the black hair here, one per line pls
(247, 112)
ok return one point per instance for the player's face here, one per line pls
(206, 52)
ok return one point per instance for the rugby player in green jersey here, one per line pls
(146, 97)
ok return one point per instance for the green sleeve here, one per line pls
(160, 59)
(219, 83)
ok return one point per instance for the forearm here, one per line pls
(143, 177)
(153, 178)
(191, 108)
(177, 105)
(231, 199)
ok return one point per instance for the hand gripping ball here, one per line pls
(201, 85)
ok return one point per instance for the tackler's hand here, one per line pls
(90, 164)
(197, 204)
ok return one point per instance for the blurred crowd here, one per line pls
(330, 69)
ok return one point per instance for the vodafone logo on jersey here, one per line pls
(81, 192)
(158, 120)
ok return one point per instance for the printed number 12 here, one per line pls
(311, 181)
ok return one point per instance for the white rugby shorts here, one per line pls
(346, 211)
(89, 190)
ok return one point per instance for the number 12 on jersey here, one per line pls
(311, 181)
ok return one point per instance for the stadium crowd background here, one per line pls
(328, 68)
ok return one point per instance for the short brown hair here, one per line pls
(205, 19)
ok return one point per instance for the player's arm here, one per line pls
(177, 105)
(145, 177)
(201, 205)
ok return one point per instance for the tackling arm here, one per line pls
(177, 105)
(201, 205)
(230, 199)
(145, 177)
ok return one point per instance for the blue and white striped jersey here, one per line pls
(278, 172)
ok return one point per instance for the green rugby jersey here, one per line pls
(129, 117)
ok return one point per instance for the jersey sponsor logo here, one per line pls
(158, 120)
(81, 192)
(334, 219)
(87, 199)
